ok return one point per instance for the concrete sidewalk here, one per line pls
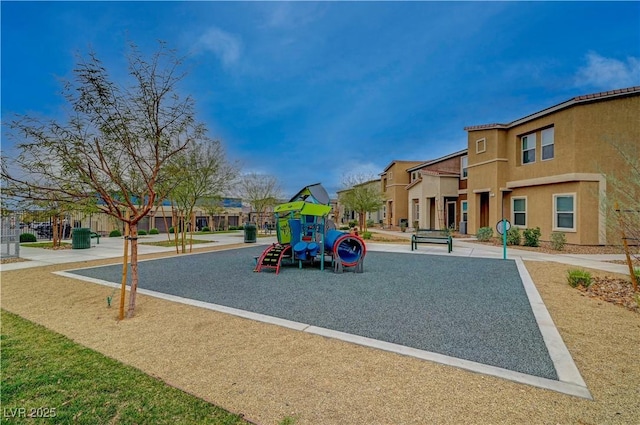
(113, 248)
(464, 248)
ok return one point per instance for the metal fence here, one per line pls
(9, 237)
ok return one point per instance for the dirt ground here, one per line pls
(268, 373)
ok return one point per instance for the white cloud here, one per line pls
(608, 73)
(223, 44)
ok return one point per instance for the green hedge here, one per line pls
(28, 237)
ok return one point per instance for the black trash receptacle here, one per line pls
(250, 233)
(81, 238)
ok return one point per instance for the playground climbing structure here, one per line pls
(305, 234)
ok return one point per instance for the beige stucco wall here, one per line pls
(394, 182)
(582, 152)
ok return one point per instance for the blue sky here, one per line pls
(310, 92)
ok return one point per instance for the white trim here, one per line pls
(542, 144)
(483, 190)
(462, 167)
(488, 162)
(555, 227)
(560, 178)
(526, 211)
(522, 150)
(484, 142)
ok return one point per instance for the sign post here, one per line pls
(503, 227)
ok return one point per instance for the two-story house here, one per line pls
(547, 169)
(394, 180)
(437, 192)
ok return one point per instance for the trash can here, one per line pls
(250, 233)
(81, 238)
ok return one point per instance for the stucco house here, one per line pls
(547, 169)
(437, 193)
(393, 182)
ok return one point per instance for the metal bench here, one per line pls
(96, 235)
(431, 236)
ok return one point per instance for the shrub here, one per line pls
(577, 277)
(532, 237)
(370, 223)
(154, 231)
(115, 233)
(513, 236)
(366, 235)
(558, 240)
(206, 229)
(353, 223)
(142, 232)
(28, 237)
(636, 271)
(484, 234)
(171, 229)
(344, 227)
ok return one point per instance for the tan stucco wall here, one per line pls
(397, 179)
(582, 150)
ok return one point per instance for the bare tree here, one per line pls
(361, 194)
(621, 205)
(201, 172)
(261, 191)
(115, 143)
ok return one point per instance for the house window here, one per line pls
(464, 210)
(416, 210)
(564, 212)
(528, 148)
(384, 211)
(547, 143)
(519, 212)
(464, 163)
(481, 145)
(390, 175)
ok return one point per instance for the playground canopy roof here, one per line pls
(304, 208)
(313, 193)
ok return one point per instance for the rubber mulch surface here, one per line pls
(469, 308)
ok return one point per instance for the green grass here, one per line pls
(44, 244)
(43, 369)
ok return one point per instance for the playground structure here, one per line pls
(305, 234)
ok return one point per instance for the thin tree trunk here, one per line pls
(134, 270)
(125, 262)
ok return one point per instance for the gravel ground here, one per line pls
(268, 372)
(412, 300)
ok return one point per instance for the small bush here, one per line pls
(206, 229)
(577, 277)
(558, 240)
(532, 237)
(370, 223)
(115, 233)
(344, 227)
(366, 235)
(353, 223)
(513, 236)
(28, 237)
(636, 271)
(142, 232)
(484, 234)
(171, 229)
(154, 231)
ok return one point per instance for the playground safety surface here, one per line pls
(473, 313)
